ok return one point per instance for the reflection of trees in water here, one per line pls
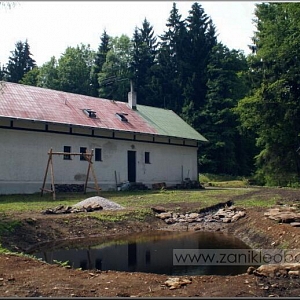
(132, 256)
(87, 264)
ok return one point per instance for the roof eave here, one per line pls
(102, 128)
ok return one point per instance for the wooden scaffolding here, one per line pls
(88, 157)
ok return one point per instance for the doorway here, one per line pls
(131, 160)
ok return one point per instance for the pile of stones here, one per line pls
(276, 270)
(284, 214)
(61, 209)
(223, 215)
(88, 205)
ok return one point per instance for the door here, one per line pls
(131, 166)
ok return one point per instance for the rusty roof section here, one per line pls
(51, 106)
(40, 104)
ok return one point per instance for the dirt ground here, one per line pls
(23, 276)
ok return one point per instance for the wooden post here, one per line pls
(46, 173)
(52, 176)
(87, 173)
(116, 180)
(93, 172)
(90, 168)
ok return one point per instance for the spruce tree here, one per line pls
(201, 40)
(20, 62)
(2, 73)
(171, 63)
(143, 61)
(100, 59)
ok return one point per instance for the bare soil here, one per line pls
(23, 276)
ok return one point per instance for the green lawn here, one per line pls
(134, 200)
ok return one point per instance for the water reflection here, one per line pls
(148, 252)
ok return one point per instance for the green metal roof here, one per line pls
(167, 123)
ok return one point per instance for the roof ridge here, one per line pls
(58, 91)
(154, 107)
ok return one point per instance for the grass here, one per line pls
(7, 226)
(136, 202)
(34, 202)
(218, 180)
(150, 198)
(118, 216)
(254, 201)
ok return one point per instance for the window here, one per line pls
(82, 150)
(90, 113)
(98, 154)
(122, 117)
(147, 157)
(67, 149)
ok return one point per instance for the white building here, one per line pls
(131, 142)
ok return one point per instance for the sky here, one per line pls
(52, 26)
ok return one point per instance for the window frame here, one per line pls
(98, 152)
(82, 150)
(67, 156)
(147, 158)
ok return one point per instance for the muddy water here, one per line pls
(148, 252)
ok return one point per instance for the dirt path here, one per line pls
(22, 276)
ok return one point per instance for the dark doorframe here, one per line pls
(131, 162)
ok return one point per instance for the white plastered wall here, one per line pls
(23, 160)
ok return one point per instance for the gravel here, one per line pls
(105, 203)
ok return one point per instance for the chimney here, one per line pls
(132, 97)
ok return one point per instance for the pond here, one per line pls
(150, 252)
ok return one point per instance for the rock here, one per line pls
(170, 221)
(288, 217)
(97, 206)
(295, 224)
(230, 215)
(237, 216)
(189, 220)
(158, 209)
(210, 220)
(250, 270)
(220, 213)
(165, 215)
(193, 215)
(182, 220)
(198, 220)
(226, 220)
(232, 208)
(176, 283)
(271, 211)
(293, 273)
